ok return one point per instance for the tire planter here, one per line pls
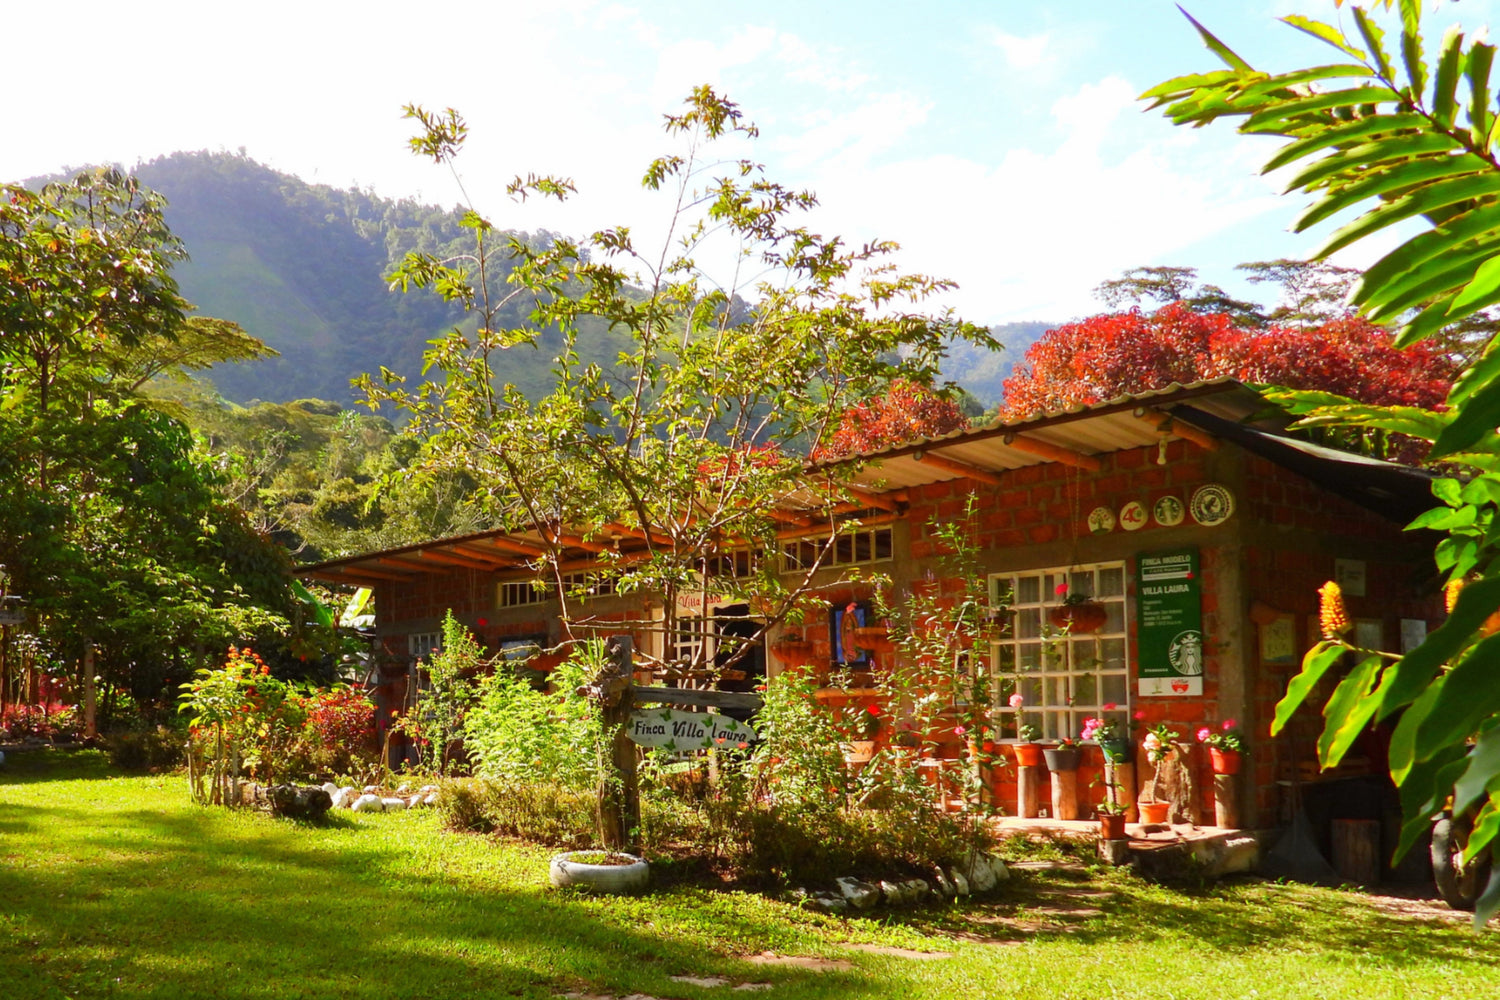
(1459, 885)
(618, 879)
(1224, 761)
(1061, 758)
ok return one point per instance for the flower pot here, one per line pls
(1078, 619)
(1117, 749)
(792, 652)
(1154, 812)
(1224, 761)
(1028, 754)
(1111, 826)
(859, 751)
(1061, 758)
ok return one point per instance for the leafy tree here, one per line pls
(1104, 356)
(1407, 138)
(904, 412)
(689, 438)
(1166, 285)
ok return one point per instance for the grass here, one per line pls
(117, 886)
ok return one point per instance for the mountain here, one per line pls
(302, 266)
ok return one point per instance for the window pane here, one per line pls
(863, 547)
(1030, 656)
(1113, 653)
(1028, 590)
(883, 543)
(1112, 687)
(1085, 689)
(1081, 583)
(1028, 623)
(1005, 659)
(1031, 690)
(1115, 616)
(1111, 581)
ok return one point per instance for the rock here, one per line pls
(330, 787)
(344, 797)
(829, 903)
(393, 804)
(431, 799)
(1002, 873)
(372, 789)
(861, 895)
(917, 890)
(960, 884)
(892, 893)
(368, 803)
(944, 884)
(976, 868)
(405, 789)
(428, 790)
(299, 802)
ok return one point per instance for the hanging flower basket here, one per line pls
(1078, 619)
(792, 652)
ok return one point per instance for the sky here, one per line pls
(1002, 144)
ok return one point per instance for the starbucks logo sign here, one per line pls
(1186, 653)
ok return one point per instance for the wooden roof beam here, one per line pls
(1052, 452)
(974, 472)
(494, 559)
(818, 530)
(512, 545)
(788, 517)
(652, 537)
(451, 558)
(1164, 422)
(577, 541)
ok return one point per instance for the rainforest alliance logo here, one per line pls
(1186, 653)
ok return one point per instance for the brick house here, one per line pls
(1203, 531)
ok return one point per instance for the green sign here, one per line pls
(1169, 616)
(678, 730)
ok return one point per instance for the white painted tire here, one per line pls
(564, 871)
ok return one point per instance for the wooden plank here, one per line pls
(965, 469)
(1164, 422)
(695, 698)
(1052, 452)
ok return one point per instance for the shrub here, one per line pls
(51, 721)
(535, 811)
(145, 747)
(340, 732)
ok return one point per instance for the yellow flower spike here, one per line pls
(1332, 616)
(1450, 593)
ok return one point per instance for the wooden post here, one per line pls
(1064, 794)
(1356, 850)
(619, 793)
(1120, 782)
(1226, 802)
(1028, 791)
(90, 726)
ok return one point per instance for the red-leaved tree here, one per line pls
(1105, 356)
(906, 411)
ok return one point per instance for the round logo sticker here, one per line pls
(1132, 516)
(1168, 511)
(1186, 653)
(1212, 504)
(1101, 520)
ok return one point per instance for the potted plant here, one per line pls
(1111, 816)
(1159, 743)
(1115, 747)
(1028, 753)
(1064, 756)
(1225, 745)
(862, 722)
(1078, 614)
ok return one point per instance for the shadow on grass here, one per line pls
(24, 767)
(182, 901)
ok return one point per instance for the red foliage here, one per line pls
(341, 725)
(1105, 356)
(906, 412)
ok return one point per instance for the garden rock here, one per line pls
(298, 802)
(861, 895)
(917, 890)
(960, 884)
(368, 803)
(343, 798)
(944, 884)
(1002, 873)
(431, 799)
(393, 804)
(829, 903)
(976, 869)
(892, 893)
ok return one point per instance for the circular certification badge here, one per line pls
(1133, 516)
(1212, 504)
(1168, 511)
(1101, 520)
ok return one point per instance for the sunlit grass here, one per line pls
(116, 886)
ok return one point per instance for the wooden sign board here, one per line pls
(675, 729)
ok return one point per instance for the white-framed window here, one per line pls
(1064, 678)
(694, 634)
(421, 644)
(849, 549)
(587, 584)
(515, 593)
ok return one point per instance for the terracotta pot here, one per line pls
(1154, 812)
(1224, 761)
(792, 652)
(1111, 826)
(1078, 619)
(1061, 758)
(1028, 754)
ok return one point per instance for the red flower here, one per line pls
(873, 709)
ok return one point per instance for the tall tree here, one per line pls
(905, 411)
(1406, 138)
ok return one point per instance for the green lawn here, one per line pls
(119, 886)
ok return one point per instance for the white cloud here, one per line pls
(1023, 52)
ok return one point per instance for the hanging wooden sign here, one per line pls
(674, 729)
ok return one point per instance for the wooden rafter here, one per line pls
(452, 558)
(819, 530)
(1164, 422)
(964, 469)
(1052, 452)
(495, 559)
(512, 545)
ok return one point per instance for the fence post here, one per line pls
(619, 793)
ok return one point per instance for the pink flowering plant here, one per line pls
(1159, 742)
(1026, 732)
(1227, 737)
(1101, 728)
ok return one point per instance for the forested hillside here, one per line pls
(302, 266)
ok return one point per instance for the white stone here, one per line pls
(1002, 873)
(405, 789)
(368, 804)
(861, 895)
(428, 790)
(960, 884)
(976, 868)
(944, 883)
(329, 787)
(431, 799)
(372, 789)
(340, 797)
(393, 803)
(917, 889)
(893, 894)
(829, 903)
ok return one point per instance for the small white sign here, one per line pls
(676, 729)
(1349, 574)
(1413, 633)
(1171, 687)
